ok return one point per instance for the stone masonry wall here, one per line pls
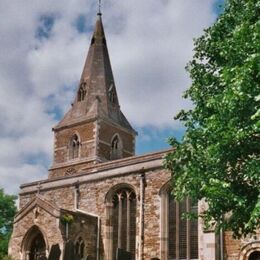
(154, 182)
(84, 227)
(48, 225)
(86, 134)
(107, 131)
(92, 198)
(240, 248)
(25, 199)
(68, 170)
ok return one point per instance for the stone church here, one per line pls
(100, 200)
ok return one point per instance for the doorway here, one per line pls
(254, 255)
(34, 245)
(38, 248)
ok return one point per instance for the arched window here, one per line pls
(121, 209)
(82, 91)
(74, 147)
(80, 248)
(179, 236)
(116, 148)
(112, 94)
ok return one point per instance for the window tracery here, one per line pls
(122, 218)
(80, 248)
(179, 236)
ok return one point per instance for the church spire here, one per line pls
(94, 129)
(96, 94)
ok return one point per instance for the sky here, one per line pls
(43, 45)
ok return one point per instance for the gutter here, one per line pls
(221, 245)
(141, 227)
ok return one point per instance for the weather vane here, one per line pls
(99, 7)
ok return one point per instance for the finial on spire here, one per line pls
(99, 8)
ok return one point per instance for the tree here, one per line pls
(218, 157)
(7, 212)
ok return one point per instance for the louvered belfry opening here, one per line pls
(74, 147)
(124, 221)
(182, 232)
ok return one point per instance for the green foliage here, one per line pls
(218, 158)
(67, 219)
(6, 257)
(7, 212)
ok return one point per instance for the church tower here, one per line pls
(94, 129)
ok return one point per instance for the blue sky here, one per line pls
(152, 139)
(43, 48)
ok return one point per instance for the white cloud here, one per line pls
(149, 42)
(13, 176)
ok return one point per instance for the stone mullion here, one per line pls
(188, 229)
(27, 256)
(109, 241)
(120, 197)
(128, 195)
(165, 226)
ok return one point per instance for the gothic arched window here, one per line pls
(179, 236)
(112, 94)
(121, 207)
(80, 248)
(116, 148)
(74, 147)
(82, 91)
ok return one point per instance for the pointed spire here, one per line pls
(95, 116)
(97, 81)
(97, 73)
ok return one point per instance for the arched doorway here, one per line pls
(38, 248)
(34, 245)
(254, 255)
